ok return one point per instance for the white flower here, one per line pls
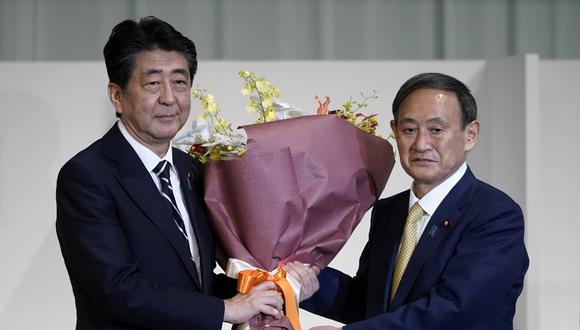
(201, 131)
(286, 111)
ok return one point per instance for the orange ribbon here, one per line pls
(247, 279)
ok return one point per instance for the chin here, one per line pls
(422, 175)
(167, 134)
(418, 169)
(169, 129)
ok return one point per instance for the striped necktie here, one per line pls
(162, 171)
(408, 243)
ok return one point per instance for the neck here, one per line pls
(421, 190)
(159, 150)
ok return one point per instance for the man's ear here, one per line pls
(115, 96)
(394, 127)
(471, 134)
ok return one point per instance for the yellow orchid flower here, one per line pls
(247, 90)
(212, 107)
(252, 107)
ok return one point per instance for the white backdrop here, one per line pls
(50, 111)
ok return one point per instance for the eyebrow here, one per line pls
(158, 71)
(406, 120)
(435, 120)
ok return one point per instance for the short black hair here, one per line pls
(129, 38)
(439, 81)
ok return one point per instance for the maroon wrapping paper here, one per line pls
(298, 194)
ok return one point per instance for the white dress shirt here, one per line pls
(150, 161)
(430, 202)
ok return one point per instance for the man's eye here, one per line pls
(181, 82)
(409, 130)
(436, 130)
(152, 83)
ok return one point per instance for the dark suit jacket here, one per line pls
(128, 265)
(467, 274)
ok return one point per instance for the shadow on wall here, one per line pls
(41, 294)
(34, 279)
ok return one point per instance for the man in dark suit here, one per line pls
(131, 220)
(448, 253)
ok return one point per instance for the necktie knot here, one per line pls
(162, 169)
(415, 213)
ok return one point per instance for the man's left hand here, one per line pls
(306, 276)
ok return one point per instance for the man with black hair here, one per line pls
(449, 252)
(131, 220)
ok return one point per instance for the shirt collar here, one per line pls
(148, 157)
(430, 202)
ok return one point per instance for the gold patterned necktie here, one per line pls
(407, 245)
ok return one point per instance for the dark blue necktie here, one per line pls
(162, 171)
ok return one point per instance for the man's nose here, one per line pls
(422, 141)
(167, 94)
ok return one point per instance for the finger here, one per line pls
(306, 274)
(291, 270)
(267, 305)
(298, 270)
(316, 270)
(273, 301)
(300, 266)
(264, 286)
(306, 270)
(269, 295)
(269, 310)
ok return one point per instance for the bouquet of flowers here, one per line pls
(289, 187)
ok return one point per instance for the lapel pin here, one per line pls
(190, 176)
(446, 223)
(432, 231)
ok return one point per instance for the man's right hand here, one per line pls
(263, 298)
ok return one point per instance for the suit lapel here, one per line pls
(441, 224)
(134, 177)
(187, 174)
(389, 223)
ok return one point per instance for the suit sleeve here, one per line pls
(102, 269)
(487, 268)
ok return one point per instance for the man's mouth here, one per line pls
(166, 118)
(167, 115)
(422, 160)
